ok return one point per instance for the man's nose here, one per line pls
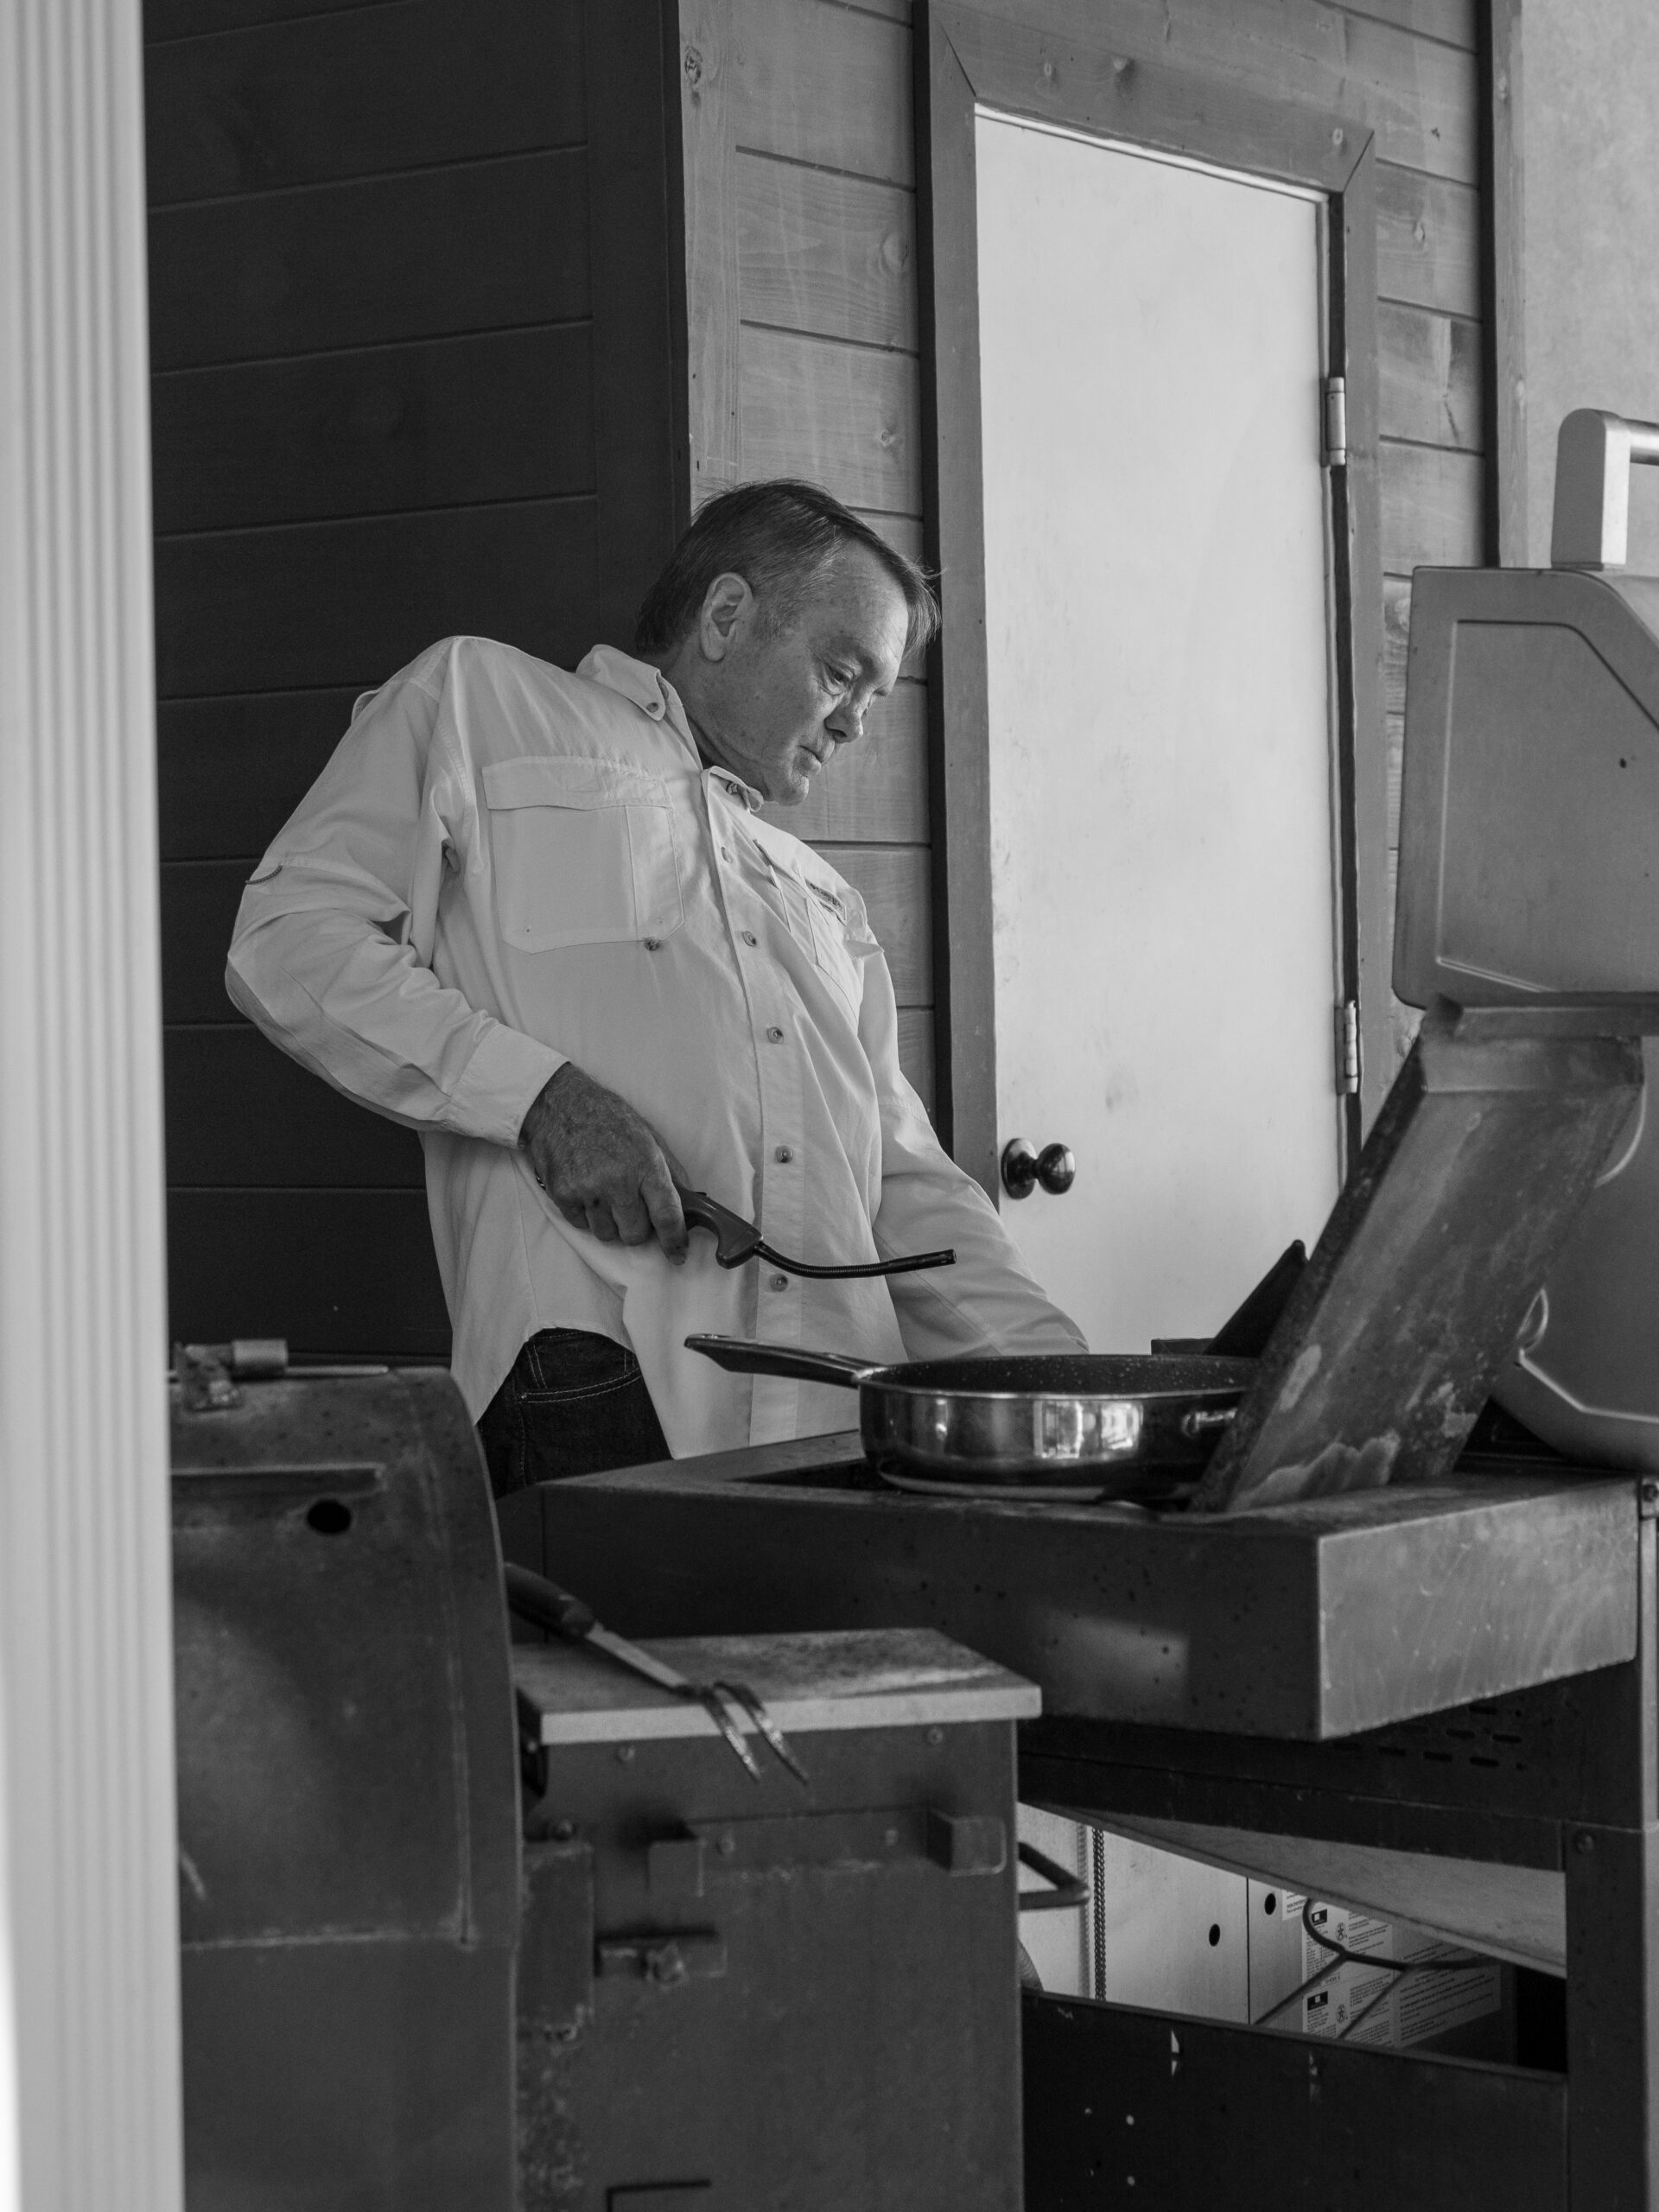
(846, 725)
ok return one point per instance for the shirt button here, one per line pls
(776, 1036)
(749, 937)
(725, 852)
(784, 1154)
(653, 945)
(776, 1283)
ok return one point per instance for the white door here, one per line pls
(1162, 824)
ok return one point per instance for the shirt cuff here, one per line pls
(504, 1077)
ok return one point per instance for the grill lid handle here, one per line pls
(1594, 453)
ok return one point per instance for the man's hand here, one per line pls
(602, 1165)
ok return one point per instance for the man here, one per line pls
(537, 917)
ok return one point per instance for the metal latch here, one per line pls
(1348, 1048)
(205, 1372)
(1336, 422)
(667, 1959)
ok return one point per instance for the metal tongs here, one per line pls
(737, 1240)
(543, 1605)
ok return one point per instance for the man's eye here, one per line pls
(839, 679)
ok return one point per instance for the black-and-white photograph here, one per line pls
(829, 1259)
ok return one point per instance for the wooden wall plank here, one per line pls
(170, 19)
(231, 771)
(916, 1051)
(709, 65)
(1418, 96)
(1503, 292)
(1453, 21)
(332, 96)
(875, 791)
(198, 904)
(637, 288)
(1396, 627)
(848, 416)
(893, 880)
(331, 603)
(507, 415)
(903, 532)
(832, 255)
(497, 246)
(824, 83)
(1430, 371)
(1432, 509)
(349, 1273)
(1427, 241)
(1396, 748)
(241, 1114)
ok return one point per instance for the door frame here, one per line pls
(965, 61)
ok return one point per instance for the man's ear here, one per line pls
(727, 606)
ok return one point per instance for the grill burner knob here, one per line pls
(1053, 1168)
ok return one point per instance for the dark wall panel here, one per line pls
(419, 355)
(166, 19)
(494, 246)
(198, 904)
(242, 1116)
(350, 602)
(340, 95)
(348, 1272)
(231, 770)
(369, 433)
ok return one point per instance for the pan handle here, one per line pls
(743, 1358)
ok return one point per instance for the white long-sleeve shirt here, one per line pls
(505, 865)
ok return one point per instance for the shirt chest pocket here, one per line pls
(584, 852)
(829, 925)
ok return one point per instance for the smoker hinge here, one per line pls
(1348, 1048)
(1336, 423)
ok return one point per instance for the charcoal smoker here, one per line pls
(1366, 1658)
(508, 1928)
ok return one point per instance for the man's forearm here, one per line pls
(989, 1300)
(335, 992)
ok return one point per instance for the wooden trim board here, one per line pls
(707, 64)
(965, 59)
(1503, 285)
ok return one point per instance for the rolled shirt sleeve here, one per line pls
(333, 937)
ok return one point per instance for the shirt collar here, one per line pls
(649, 689)
(636, 680)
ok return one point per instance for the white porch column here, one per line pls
(89, 2071)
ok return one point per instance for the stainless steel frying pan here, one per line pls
(1130, 1425)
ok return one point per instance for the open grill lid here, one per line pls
(1528, 922)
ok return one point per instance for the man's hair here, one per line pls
(780, 536)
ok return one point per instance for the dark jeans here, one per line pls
(573, 1404)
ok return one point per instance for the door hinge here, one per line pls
(1348, 1048)
(1336, 423)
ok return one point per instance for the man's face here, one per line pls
(772, 705)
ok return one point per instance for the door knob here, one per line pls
(1053, 1168)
